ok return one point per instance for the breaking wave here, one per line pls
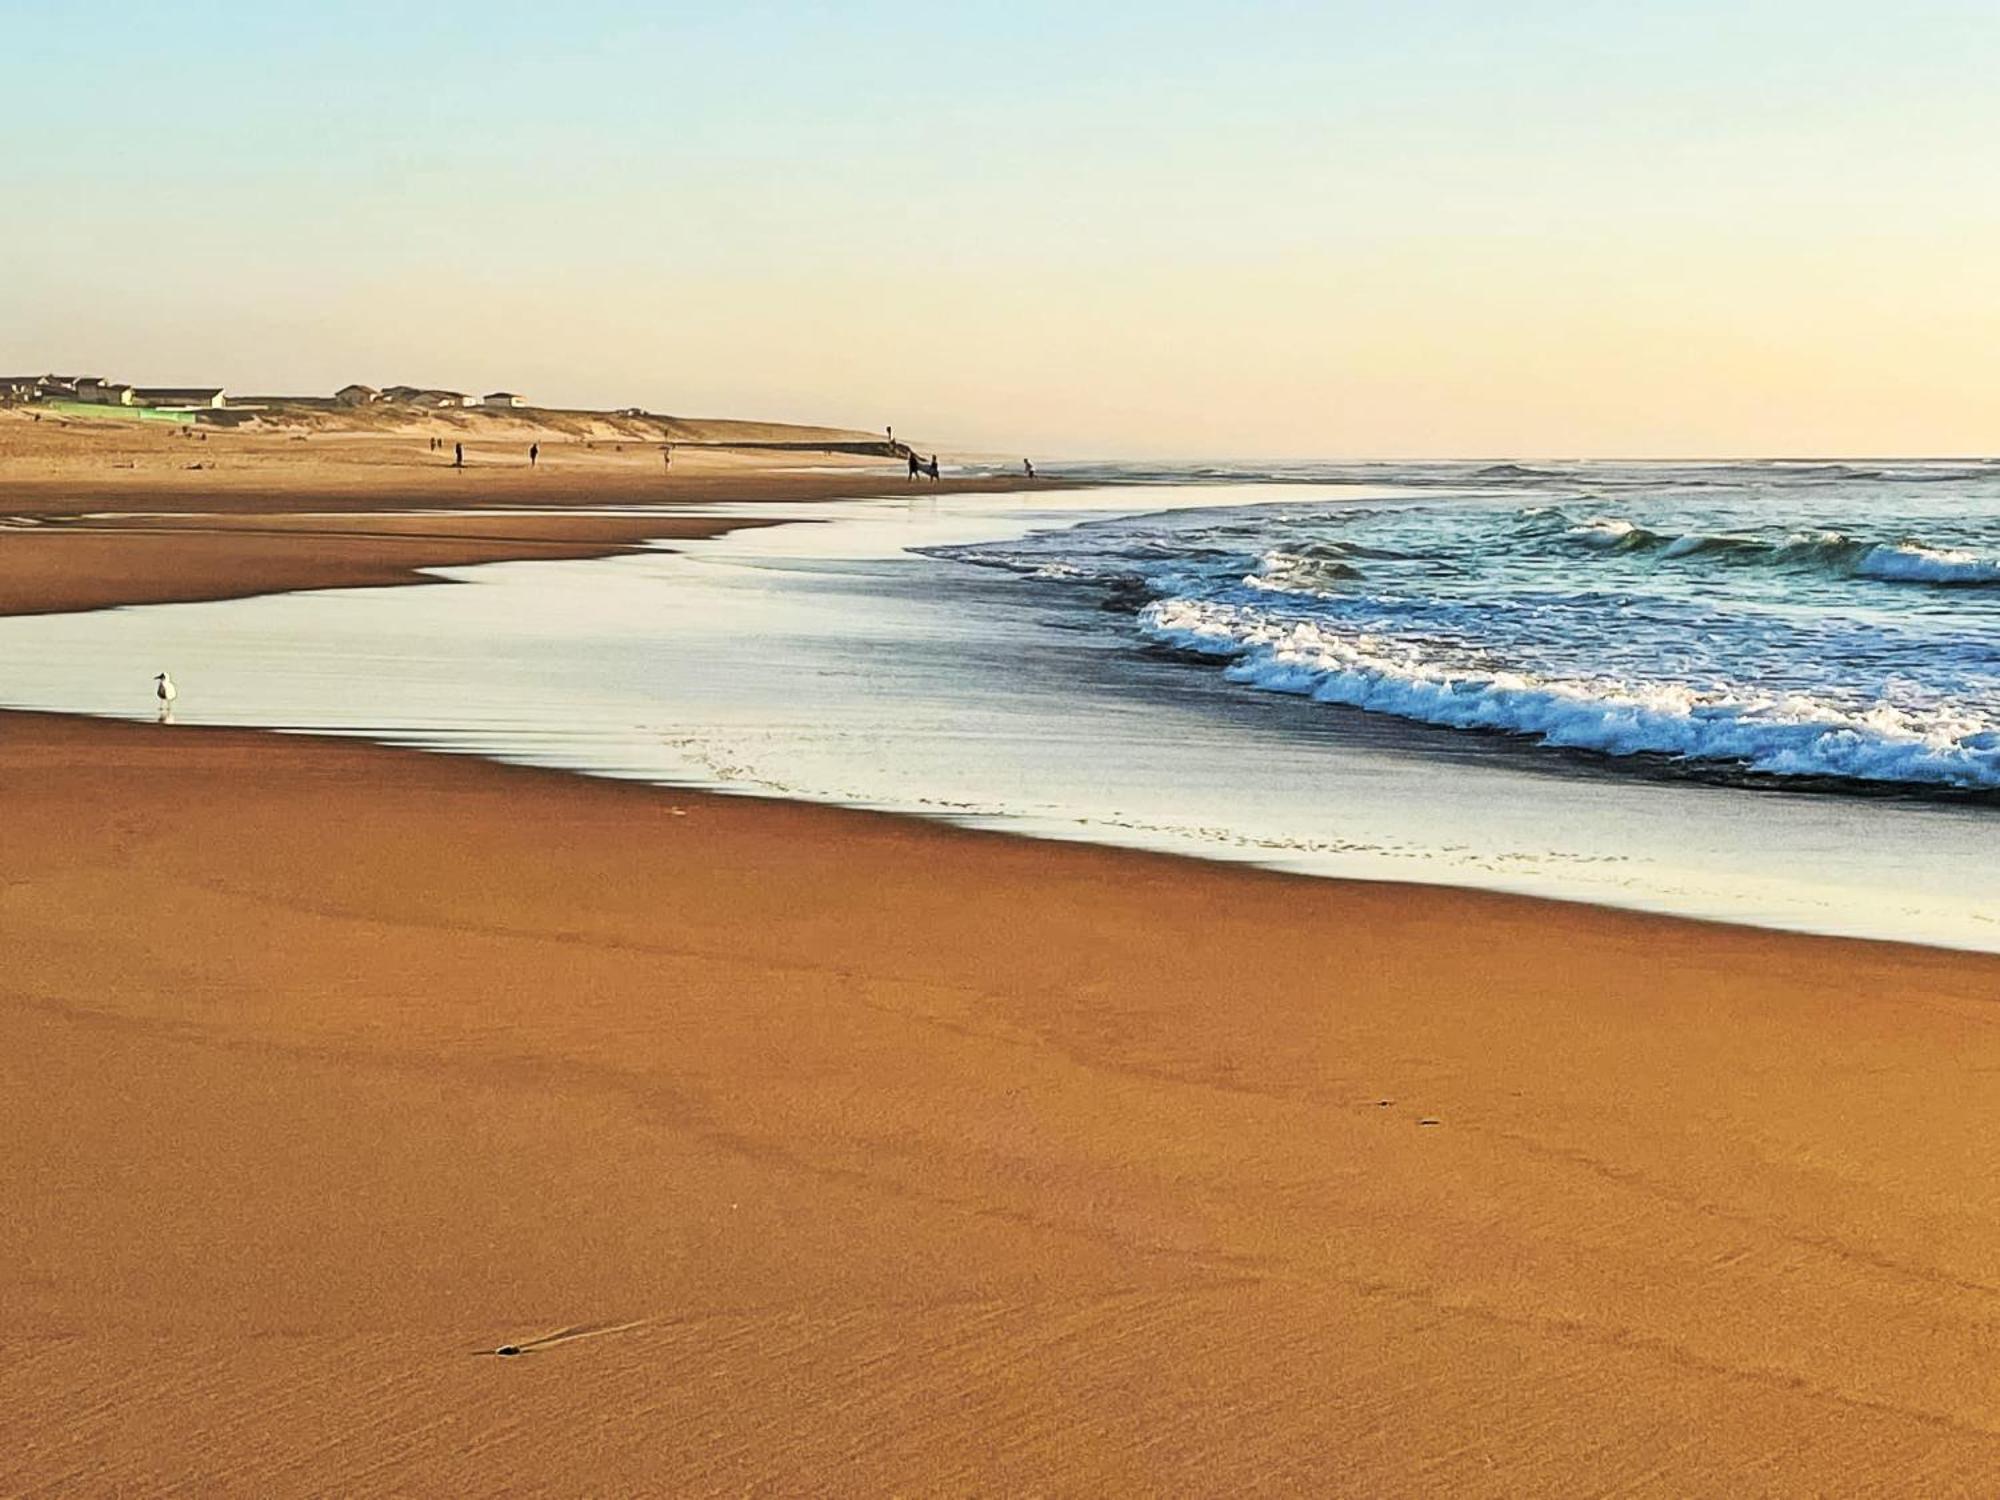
(1908, 562)
(1783, 734)
(1812, 625)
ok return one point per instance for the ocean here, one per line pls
(1761, 693)
(1804, 624)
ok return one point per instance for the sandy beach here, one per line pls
(800, 1150)
(96, 514)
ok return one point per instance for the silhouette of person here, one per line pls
(915, 467)
(932, 469)
(666, 455)
(458, 455)
(534, 454)
(1029, 465)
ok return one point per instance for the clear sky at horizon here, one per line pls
(1444, 229)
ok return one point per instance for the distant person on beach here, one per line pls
(914, 466)
(666, 455)
(932, 469)
(534, 454)
(458, 455)
(1029, 465)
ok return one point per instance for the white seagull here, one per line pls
(165, 691)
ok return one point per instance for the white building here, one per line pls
(100, 392)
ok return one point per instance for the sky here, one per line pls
(1436, 228)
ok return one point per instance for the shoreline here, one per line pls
(220, 518)
(803, 1145)
(1624, 839)
(941, 1157)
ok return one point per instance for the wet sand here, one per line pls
(802, 1150)
(98, 515)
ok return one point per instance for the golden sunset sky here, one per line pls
(1340, 230)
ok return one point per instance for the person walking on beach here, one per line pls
(534, 454)
(914, 466)
(666, 456)
(932, 469)
(1029, 465)
(458, 455)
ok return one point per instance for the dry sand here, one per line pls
(812, 1151)
(104, 513)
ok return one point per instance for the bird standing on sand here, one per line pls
(166, 692)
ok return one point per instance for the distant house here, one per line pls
(101, 392)
(20, 387)
(501, 398)
(633, 411)
(412, 395)
(179, 397)
(357, 395)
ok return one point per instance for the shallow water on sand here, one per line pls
(830, 660)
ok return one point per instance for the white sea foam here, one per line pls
(1781, 734)
(1605, 531)
(1909, 562)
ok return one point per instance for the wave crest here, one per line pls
(1780, 735)
(1832, 553)
(1911, 562)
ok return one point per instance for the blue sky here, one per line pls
(1449, 228)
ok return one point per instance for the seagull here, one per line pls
(166, 692)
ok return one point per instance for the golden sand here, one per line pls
(807, 1151)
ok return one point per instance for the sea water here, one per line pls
(1811, 624)
(1720, 711)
